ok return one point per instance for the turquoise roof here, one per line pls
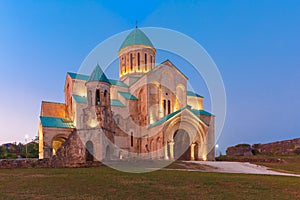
(201, 112)
(117, 82)
(79, 99)
(116, 102)
(78, 76)
(56, 122)
(166, 118)
(86, 78)
(98, 75)
(128, 96)
(190, 93)
(136, 37)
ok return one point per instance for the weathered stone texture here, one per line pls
(286, 147)
(239, 150)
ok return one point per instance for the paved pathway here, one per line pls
(239, 167)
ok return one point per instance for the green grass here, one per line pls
(106, 183)
(290, 164)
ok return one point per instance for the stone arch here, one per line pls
(193, 127)
(89, 151)
(56, 143)
(182, 145)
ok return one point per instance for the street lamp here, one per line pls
(217, 147)
(26, 138)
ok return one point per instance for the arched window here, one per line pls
(131, 62)
(131, 139)
(164, 106)
(105, 97)
(145, 61)
(125, 64)
(97, 97)
(151, 61)
(169, 106)
(89, 151)
(139, 61)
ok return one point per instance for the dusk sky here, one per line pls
(255, 44)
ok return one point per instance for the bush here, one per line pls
(297, 151)
(243, 145)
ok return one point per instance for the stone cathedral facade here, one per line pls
(147, 114)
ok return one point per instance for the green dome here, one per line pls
(136, 37)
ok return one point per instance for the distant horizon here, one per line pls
(255, 45)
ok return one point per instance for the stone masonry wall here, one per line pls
(286, 147)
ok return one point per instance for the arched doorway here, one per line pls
(56, 143)
(181, 145)
(89, 151)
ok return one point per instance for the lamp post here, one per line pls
(26, 138)
(217, 147)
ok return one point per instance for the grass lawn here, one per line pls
(290, 164)
(106, 183)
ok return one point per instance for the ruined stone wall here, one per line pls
(70, 154)
(23, 163)
(286, 147)
(239, 150)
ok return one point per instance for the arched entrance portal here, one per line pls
(181, 145)
(56, 143)
(89, 151)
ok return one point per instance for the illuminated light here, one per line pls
(217, 146)
(204, 157)
(93, 123)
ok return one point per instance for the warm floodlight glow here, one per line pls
(204, 157)
(93, 123)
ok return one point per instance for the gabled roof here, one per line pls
(166, 118)
(78, 76)
(86, 78)
(56, 122)
(116, 102)
(169, 116)
(128, 96)
(193, 94)
(201, 112)
(79, 99)
(117, 82)
(98, 75)
(136, 37)
(166, 61)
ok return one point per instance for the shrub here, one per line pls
(297, 151)
(242, 145)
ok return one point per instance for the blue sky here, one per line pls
(255, 45)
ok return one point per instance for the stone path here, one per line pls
(239, 167)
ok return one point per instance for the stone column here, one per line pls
(193, 151)
(166, 152)
(171, 147)
(199, 151)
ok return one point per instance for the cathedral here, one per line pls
(147, 114)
